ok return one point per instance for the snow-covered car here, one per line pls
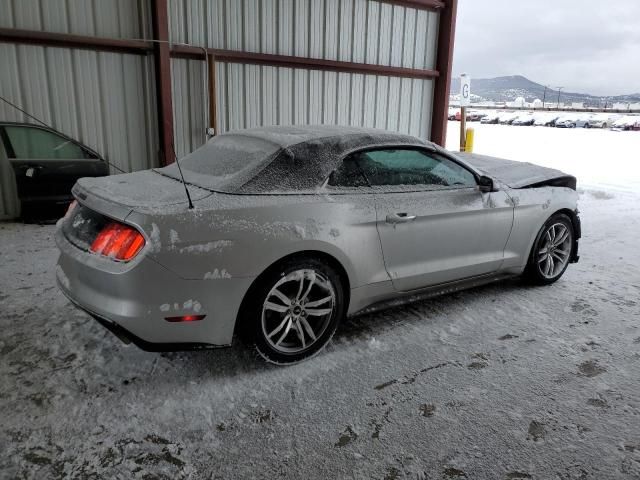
(566, 121)
(289, 229)
(490, 118)
(473, 116)
(545, 119)
(574, 120)
(507, 118)
(601, 120)
(526, 119)
(625, 123)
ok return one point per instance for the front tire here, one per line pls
(296, 310)
(552, 250)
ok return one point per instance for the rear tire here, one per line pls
(552, 251)
(295, 310)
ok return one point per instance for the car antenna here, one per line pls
(49, 126)
(186, 190)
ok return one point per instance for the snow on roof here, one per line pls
(288, 135)
(278, 158)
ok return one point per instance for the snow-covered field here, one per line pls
(502, 382)
(600, 158)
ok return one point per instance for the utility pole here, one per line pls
(559, 90)
(544, 97)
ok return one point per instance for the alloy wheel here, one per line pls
(297, 311)
(555, 249)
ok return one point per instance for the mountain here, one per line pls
(504, 89)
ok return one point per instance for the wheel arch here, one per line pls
(577, 230)
(241, 320)
(575, 222)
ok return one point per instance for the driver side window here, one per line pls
(395, 167)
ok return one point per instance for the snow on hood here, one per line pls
(514, 174)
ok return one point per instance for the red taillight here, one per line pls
(118, 241)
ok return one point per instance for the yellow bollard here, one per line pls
(468, 144)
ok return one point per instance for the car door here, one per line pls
(47, 164)
(434, 223)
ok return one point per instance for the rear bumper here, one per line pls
(133, 300)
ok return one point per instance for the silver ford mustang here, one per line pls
(286, 230)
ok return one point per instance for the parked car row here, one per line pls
(552, 119)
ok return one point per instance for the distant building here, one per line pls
(577, 105)
(621, 106)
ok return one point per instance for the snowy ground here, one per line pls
(501, 382)
(598, 157)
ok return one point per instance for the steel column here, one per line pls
(162, 57)
(444, 63)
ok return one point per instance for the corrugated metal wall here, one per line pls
(96, 18)
(365, 31)
(105, 100)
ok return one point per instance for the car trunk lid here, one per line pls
(117, 195)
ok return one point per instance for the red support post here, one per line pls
(162, 56)
(444, 63)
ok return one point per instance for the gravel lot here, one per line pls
(506, 381)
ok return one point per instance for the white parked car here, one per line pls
(625, 123)
(545, 119)
(525, 119)
(507, 118)
(490, 118)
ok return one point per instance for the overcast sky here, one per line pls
(586, 46)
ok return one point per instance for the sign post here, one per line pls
(465, 101)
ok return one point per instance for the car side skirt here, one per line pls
(382, 301)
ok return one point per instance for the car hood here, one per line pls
(518, 174)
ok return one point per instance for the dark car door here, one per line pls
(47, 164)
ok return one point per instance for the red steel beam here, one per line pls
(49, 39)
(444, 63)
(162, 56)
(232, 56)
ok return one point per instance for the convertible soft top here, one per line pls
(278, 159)
(286, 160)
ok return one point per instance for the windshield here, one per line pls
(225, 163)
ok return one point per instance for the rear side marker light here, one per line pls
(185, 318)
(118, 241)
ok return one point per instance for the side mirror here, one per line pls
(486, 184)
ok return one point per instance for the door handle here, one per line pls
(400, 218)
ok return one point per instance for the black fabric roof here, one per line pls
(279, 158)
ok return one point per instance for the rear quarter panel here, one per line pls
(229, 236)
